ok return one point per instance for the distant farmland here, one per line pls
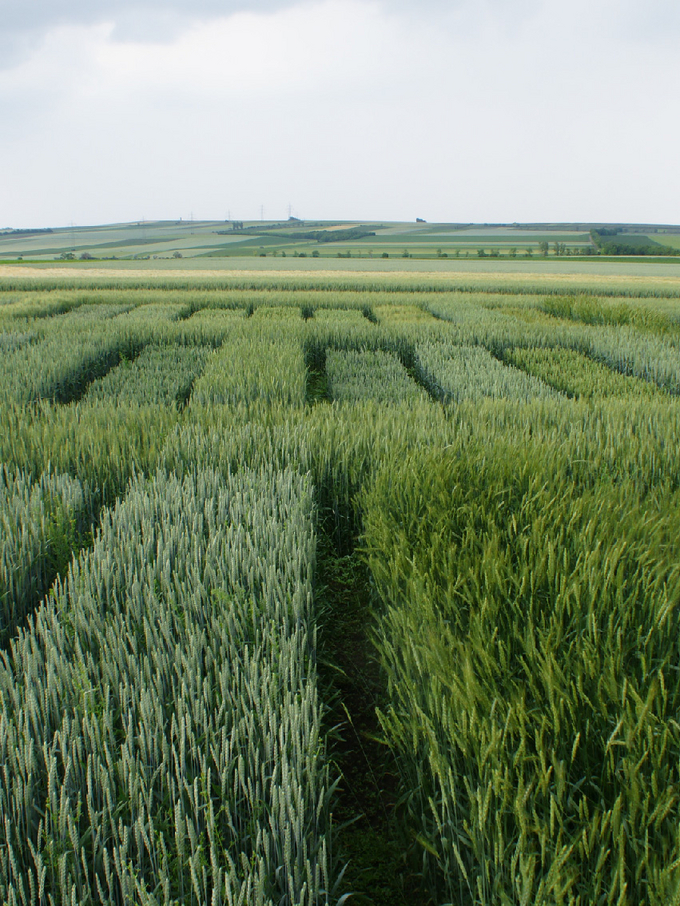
(220, 240)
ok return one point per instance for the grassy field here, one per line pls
(672, 239)
(321, 580)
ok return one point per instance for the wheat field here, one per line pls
(181, 454)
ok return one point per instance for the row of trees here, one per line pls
(558, 248)
(609, 242)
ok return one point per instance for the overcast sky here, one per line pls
(450, 110)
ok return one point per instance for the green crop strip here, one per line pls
(529, 639)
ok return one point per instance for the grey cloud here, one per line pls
(24, 22)
(19, 15)
(655, 20)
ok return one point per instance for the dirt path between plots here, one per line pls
(373, 841)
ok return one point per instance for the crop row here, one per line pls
(528, 631)
(624, 348)
(161, 375)
(377, 375)
(68, 352)
(40, 522)
(472, 373)
(577, 375)
(161, 737)
(269, 282)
